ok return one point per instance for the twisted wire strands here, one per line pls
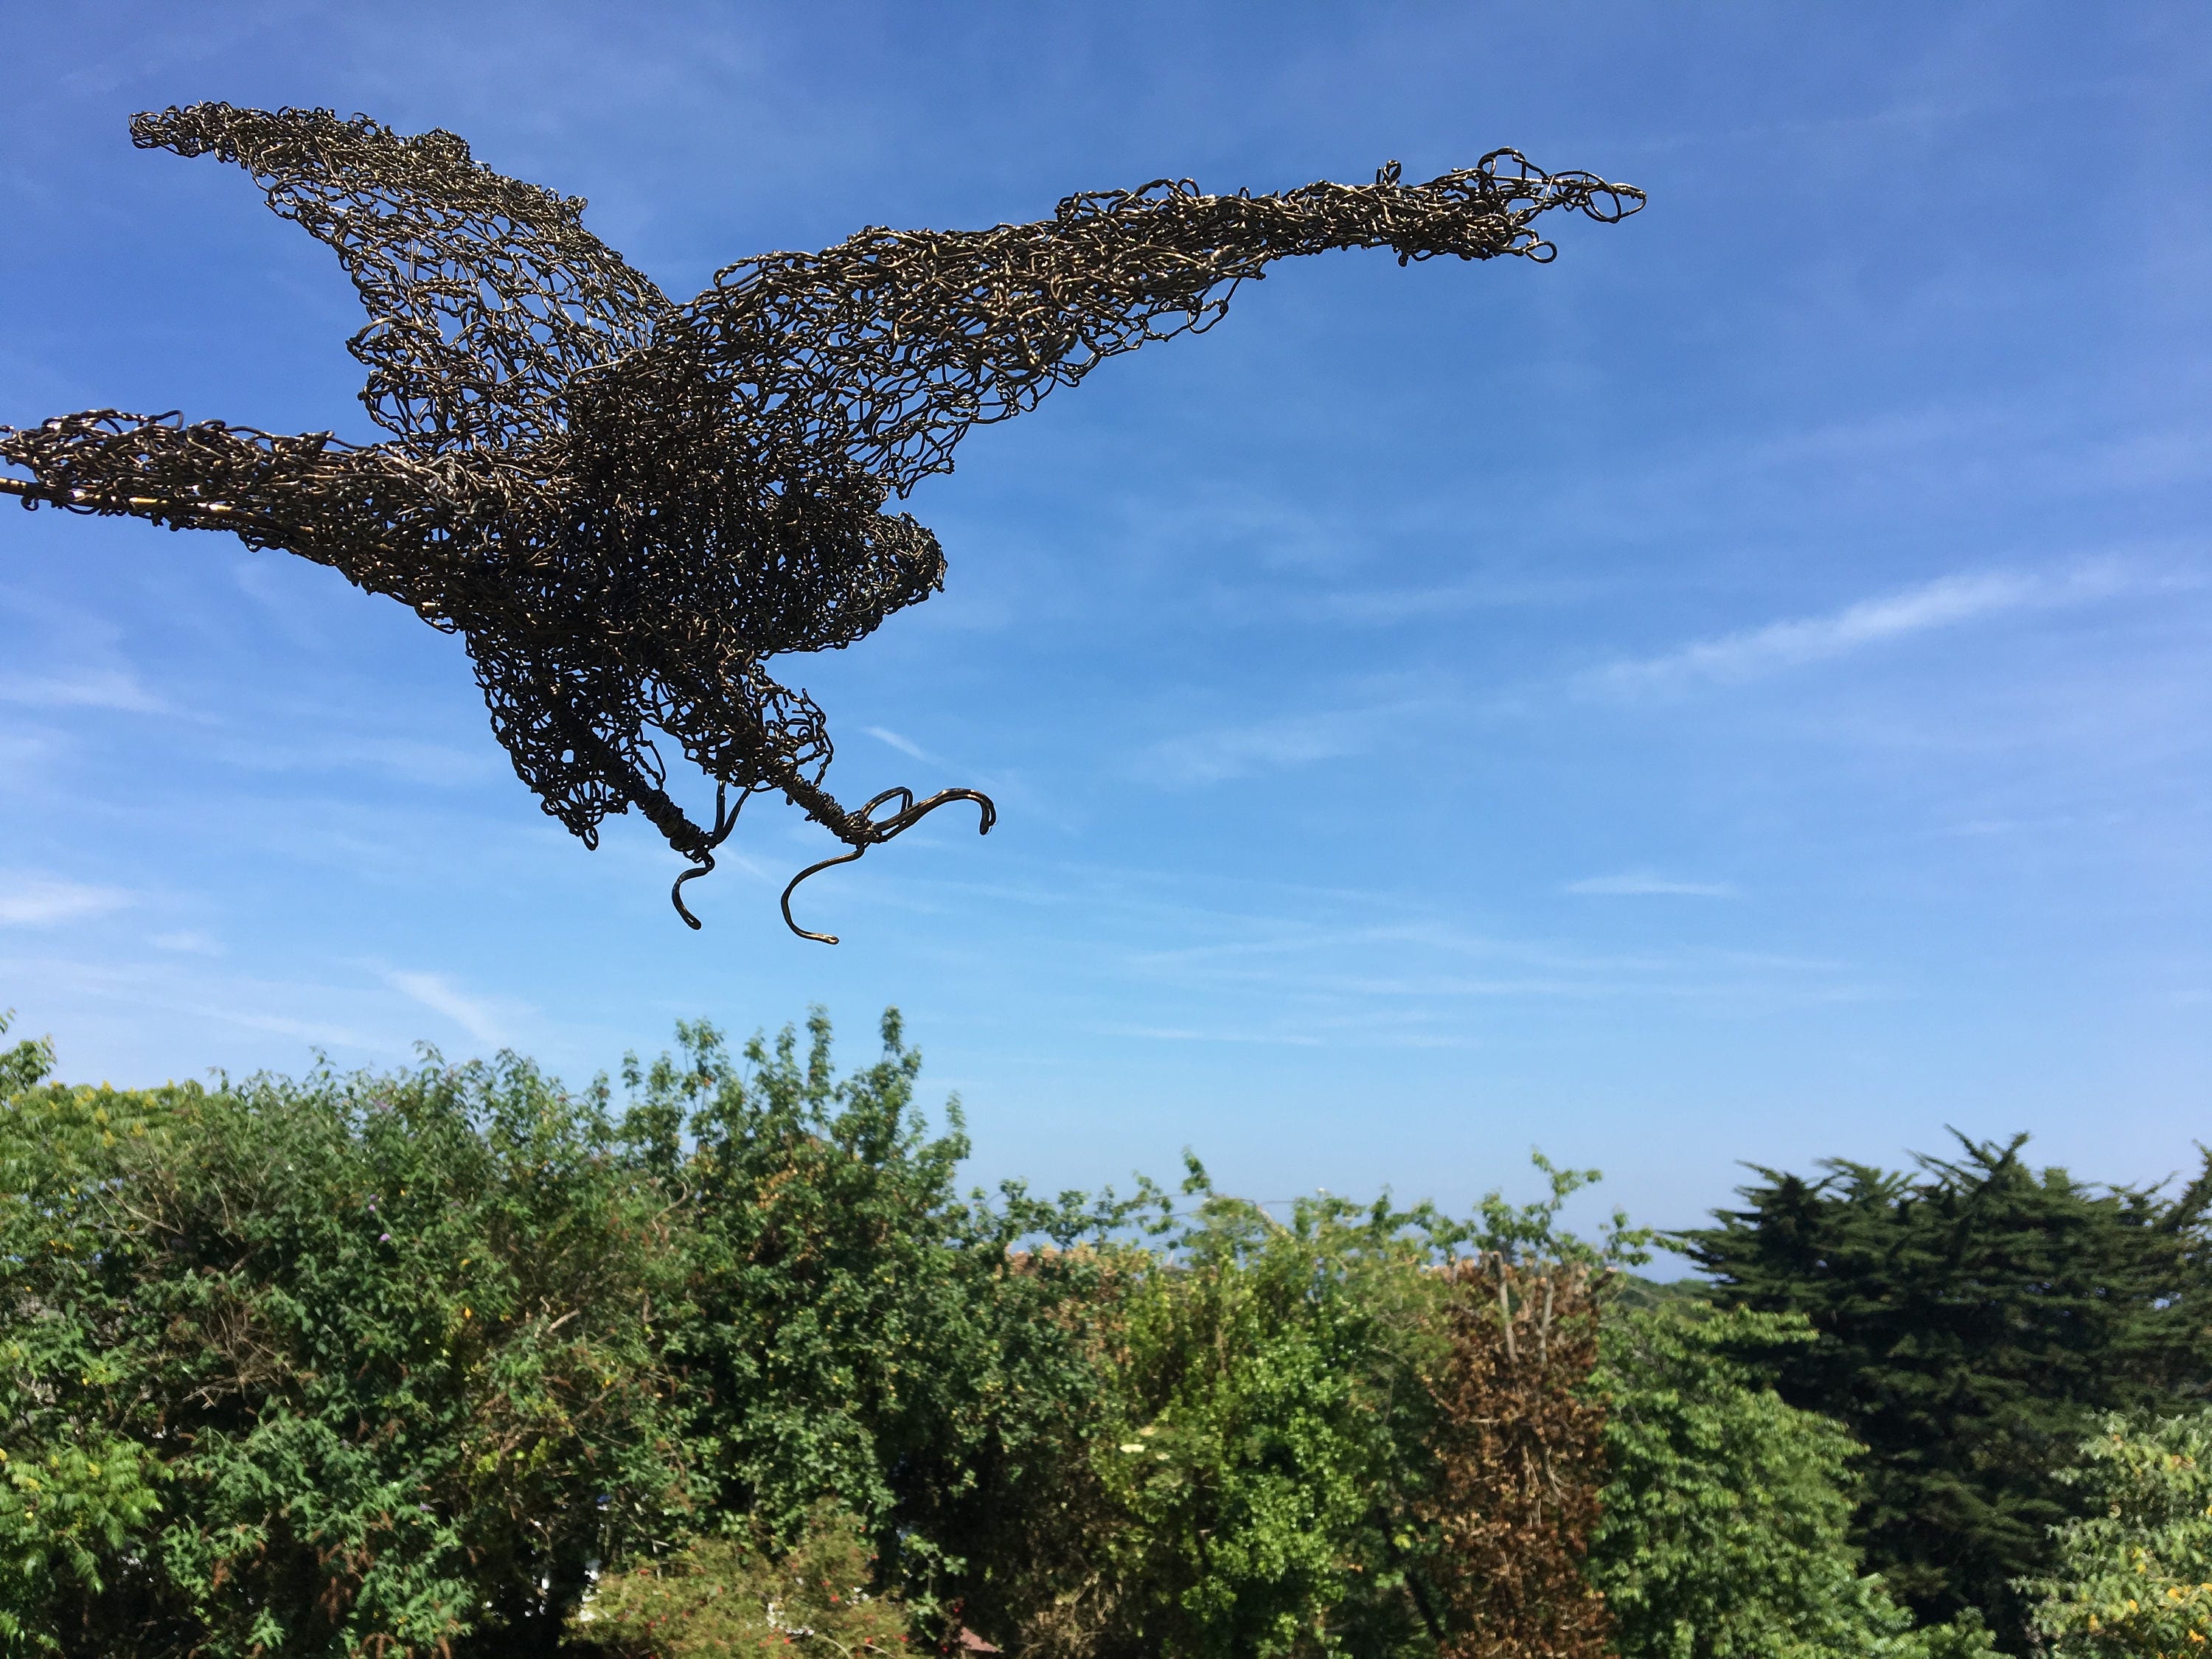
(626, 506)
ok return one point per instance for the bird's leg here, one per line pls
(754, 750)
(627, 782)
(726, 819)
(763, 763)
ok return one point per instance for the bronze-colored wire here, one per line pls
(627, 507)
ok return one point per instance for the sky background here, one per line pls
(1738, 692)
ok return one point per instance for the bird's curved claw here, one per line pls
(910, 814)
(811, 869)
(868, 830)
(726, 819)
(676, 893)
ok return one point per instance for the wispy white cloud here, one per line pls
(1242, 752)
(25, 755)
(1644, 884)
(323, 1033)
(1432, 973)
(905, 745)
(1947, 602)
(434, 765)
(142, 984)
(1384, 607)
(1188, 1034)
(33, 901)
(412, 762)
(1278, 533)
(187, 944)
(85, 687)
(484, 1019)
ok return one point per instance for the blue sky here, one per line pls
(1740, 692)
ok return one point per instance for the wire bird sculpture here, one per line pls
(625, 506)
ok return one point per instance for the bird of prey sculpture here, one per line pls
(627, 507)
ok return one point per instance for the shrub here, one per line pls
(1248, 1456)
(325, 1365)
(1725, 1512)
(853, 1328)
(2134, 1575)
(718, 1595)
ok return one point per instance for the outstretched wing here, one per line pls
(485, 295)
(890, 345)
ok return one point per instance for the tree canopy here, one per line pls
(718, 1355)
(1970, 1319)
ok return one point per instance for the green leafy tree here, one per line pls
(74, 1489)
(2133, 1577)
(962, 1373)
(1725, 1514)
(1969, 1320)
(853, 1328)
(25, 1064)
(313, 1367)
(1252, 1460)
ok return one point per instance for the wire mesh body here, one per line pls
(627, 507)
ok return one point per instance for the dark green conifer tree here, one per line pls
(1970, 1318)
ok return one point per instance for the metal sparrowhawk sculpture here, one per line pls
(626, 506)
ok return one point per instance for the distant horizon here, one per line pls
(1587, 1214)
(1736, 695)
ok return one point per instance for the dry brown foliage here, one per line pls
(1521, 1456)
